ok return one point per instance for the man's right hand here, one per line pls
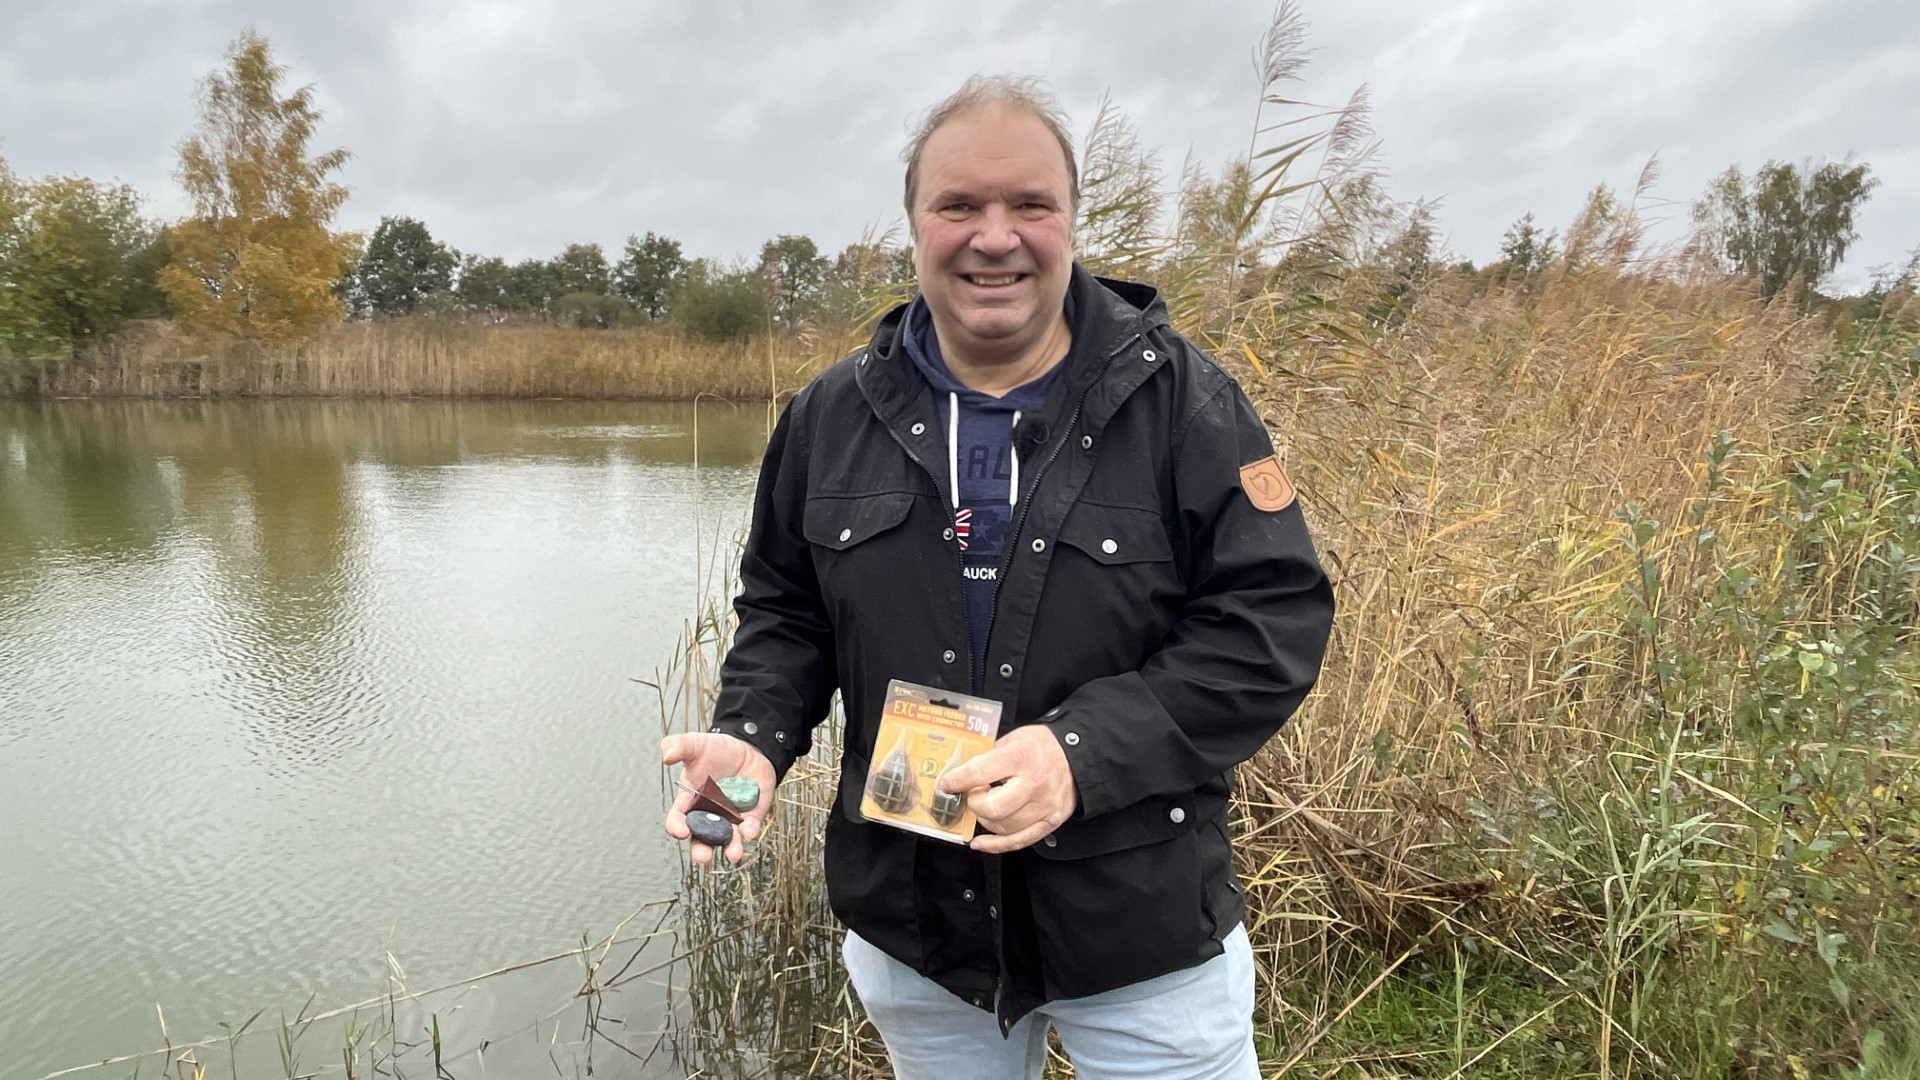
(709, 754)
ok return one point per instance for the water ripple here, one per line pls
(285, 689)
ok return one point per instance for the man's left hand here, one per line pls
(1021, 790)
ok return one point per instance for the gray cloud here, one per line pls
(1504, 106)
(516, 126)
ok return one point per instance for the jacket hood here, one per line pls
(1107, 315)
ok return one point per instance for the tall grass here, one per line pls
(424, 356)
(1617, 736)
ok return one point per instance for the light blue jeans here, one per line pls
(1195, 1024)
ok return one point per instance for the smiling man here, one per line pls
(1028, 488)
(990, 202)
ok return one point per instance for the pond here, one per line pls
(301, 701)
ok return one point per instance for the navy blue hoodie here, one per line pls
(982, 461)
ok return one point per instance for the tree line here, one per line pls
(404, 271)
(258, 257)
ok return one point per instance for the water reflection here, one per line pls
(288, 686)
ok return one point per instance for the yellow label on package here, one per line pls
(924, 733)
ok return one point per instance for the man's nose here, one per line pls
(996, 236)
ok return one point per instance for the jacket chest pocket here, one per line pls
(843, 522)
(862, 549)
(1114, 568)
(1117, 536)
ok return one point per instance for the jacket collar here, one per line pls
(1109, 317)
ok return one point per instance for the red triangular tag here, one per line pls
(711, 799)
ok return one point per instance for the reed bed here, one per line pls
(1612, 763)
(1612, 767)
(425, 356)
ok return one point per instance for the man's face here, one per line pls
(992, 230)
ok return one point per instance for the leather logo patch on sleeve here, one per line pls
(1266, 484)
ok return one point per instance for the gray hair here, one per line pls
(1020, 91)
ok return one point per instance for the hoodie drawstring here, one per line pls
(1013, 455)
(953, 453)
(953, 446)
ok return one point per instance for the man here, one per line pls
(1029, 488)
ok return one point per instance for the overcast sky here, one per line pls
(513, 127)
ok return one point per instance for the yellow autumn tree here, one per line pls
(257, 259)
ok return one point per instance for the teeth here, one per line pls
(995, 279)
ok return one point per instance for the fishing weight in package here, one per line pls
(925, 733)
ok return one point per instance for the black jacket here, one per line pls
(1153, 615)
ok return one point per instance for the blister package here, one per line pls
(924, 733)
